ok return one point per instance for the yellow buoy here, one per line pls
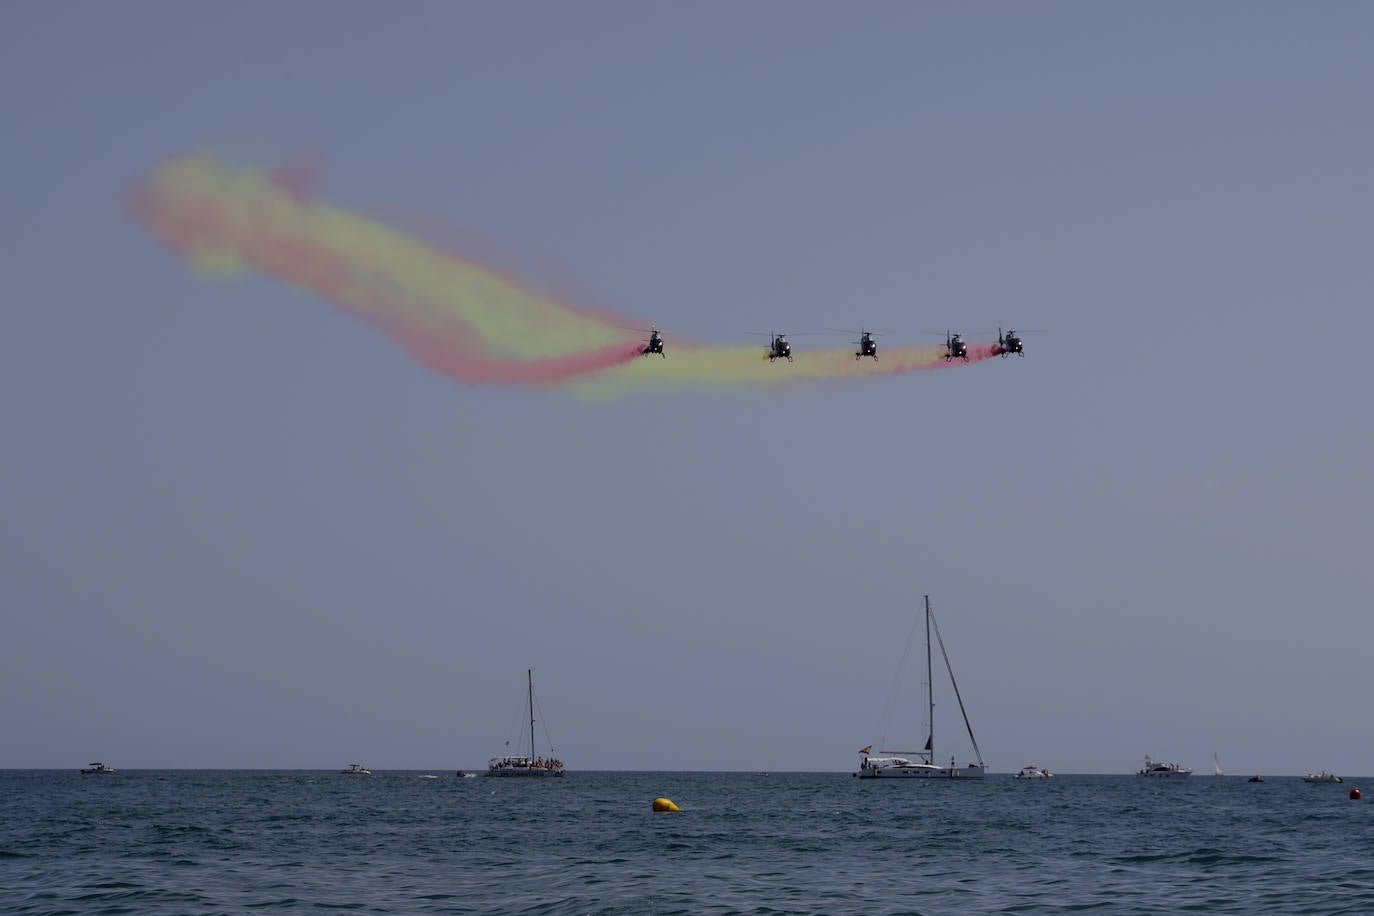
(665, 804)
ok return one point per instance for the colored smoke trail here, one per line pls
(449, 313)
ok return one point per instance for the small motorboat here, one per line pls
(1033, 772)
(1255, 779)
(356, 769)
(96, 767)
(1323, 776)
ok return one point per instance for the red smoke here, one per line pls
(980, 352)
(299, 175)
(459, 359)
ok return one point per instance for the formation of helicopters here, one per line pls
(780, 348)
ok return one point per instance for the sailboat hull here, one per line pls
(922, 771)
(523, 767)
(525, 773)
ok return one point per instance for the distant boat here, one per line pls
(1255, 779)
(96, 768)
(464, 774)
(1216, 765)
(1153, 768)
(428, 776)
(355, 769)
(1033, 772)
(899, 764)
(531, 765)
(1323, 776)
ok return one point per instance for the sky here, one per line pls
(248, 526)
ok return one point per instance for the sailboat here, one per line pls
(900, 764)
(532, 765)
(1216, 765)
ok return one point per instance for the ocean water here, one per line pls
(202, 841)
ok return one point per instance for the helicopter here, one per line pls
(867, 344)
(654, 344)
(1009, 342)
(780, 348)
(955, 348)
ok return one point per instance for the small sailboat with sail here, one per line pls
(530, 765)
(1216, 765)
(921, 764)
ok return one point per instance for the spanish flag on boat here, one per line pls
(866, 750)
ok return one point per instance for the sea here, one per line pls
(396, 842)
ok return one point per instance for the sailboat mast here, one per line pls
(529, 674)
(930, 692)
(955, 684)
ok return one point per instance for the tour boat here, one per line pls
(1154, 768)
(527, 765)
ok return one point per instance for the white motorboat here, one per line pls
(1323, 776)
(527, 765)
(356, 769)
(921, 764)
(1153, 768)
(1033, 772)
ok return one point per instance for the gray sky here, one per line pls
(242, 530)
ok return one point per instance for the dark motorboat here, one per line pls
(1255, 779)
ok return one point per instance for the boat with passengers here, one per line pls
(1153, 768)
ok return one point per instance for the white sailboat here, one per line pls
(921, 764)
(1216, 765)
(533, 765)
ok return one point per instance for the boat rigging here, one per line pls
(531, 765)
(899, 764)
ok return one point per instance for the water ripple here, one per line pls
(793, 843)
